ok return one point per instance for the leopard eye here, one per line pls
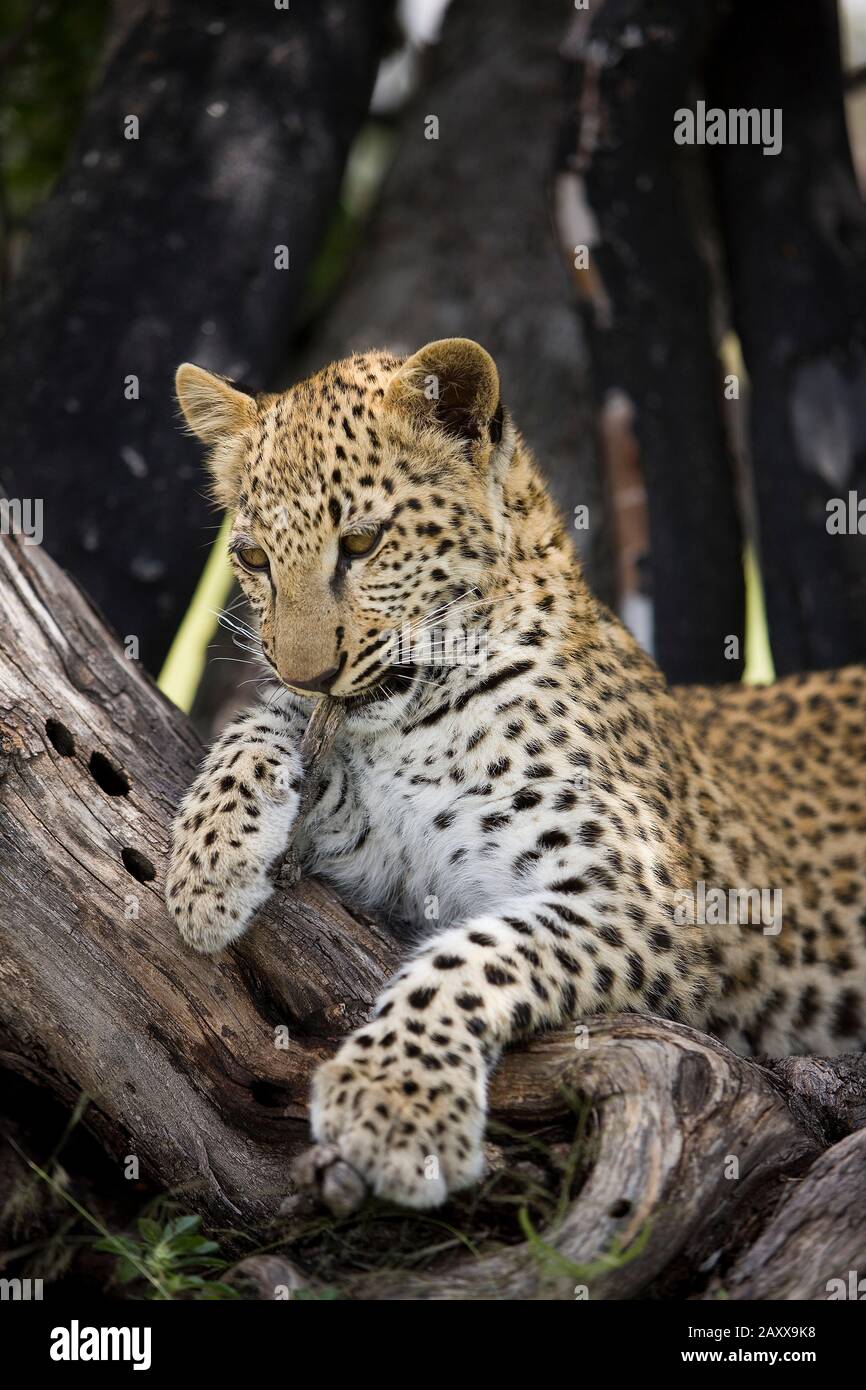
(355, 543)
(253, 558)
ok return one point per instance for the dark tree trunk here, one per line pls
(162, 248)
(648, 314)
(795, 231)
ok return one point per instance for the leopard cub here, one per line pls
(570, 816)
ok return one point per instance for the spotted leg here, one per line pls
(402, 1105)
(233, 824)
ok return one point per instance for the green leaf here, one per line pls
(149, 1231)
(182, 1225)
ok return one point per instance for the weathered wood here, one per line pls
(97, 993)
(818, 1234)
(827, 1094)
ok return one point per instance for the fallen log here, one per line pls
(692, 1147)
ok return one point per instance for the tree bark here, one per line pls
(817, 1236)
(794, 229)
(646, 297)
(160, 248)
(827, 1094)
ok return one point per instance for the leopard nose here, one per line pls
(321, 684)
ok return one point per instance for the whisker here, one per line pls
(240, 632)
(428, 620)
(419, 679)
(239, 660)
(279, 688)
(455, 606)
(249, 681)
(233, 623)
(451, 602)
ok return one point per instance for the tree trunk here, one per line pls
(795, 234)
(159, 244)
(792, 229)
(647, 307)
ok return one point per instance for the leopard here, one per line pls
(552, 830)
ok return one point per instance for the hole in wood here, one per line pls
(138, 865)
(620, 1208)
(60, 738)
(109, 777)
(266, 1093)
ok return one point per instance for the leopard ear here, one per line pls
(452, 383)
(213, 409)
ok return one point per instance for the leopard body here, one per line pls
(552, 826)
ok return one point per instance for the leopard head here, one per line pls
(365, 501)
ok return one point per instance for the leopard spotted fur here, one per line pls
(538, 818)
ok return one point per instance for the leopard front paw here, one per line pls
(232, 828)
(213, 910)
(411, 1128)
